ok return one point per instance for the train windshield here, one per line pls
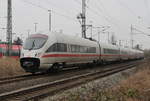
(33, 43)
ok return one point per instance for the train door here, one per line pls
(100, 52)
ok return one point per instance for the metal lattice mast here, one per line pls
(9, 26)
(83, 18)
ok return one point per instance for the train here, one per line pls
(15, 51)
(52, 50)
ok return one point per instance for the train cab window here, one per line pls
(58, 47)
(35, 42)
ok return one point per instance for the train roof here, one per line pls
(60, 37)
(72, 39)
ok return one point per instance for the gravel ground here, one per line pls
(85, 89)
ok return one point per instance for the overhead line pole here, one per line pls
(9, 27)
(50, 21)
(35, 26)
(83, 16)
(132, 36)
(28, 32)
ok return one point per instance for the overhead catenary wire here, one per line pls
(101, 15)
(46, 9)
(105, 14)
(103, 9)
(139, 28)
(139, 31)
(61, 8)
(98, 14)
(35, 5)
(147, 8)
(130, 10)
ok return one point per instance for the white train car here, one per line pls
(124, 53)
(139, 54)
(70, 50)
(132, 53)
(40, 52)
(109, 52)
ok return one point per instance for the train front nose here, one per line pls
(30, 64)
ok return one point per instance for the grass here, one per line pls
(10, 67)
(137, 87)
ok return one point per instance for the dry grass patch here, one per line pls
(137, 87)
(10, 67)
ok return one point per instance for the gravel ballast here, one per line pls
(83, 90)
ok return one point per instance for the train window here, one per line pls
(75, 48)
(1, 53)
(33, 43)
(83, 49)
(91, 50)
(58, 47)
(111, 51)
(1, 50)
(124, 52)
(15, 53)
(61, 47)
(4, 51)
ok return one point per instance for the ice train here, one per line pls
(42, 52)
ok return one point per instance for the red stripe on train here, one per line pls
(76, 55)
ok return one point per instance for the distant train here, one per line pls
(15, 52)
(55, 50)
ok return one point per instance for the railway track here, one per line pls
(7, 80)
(17, 78)
(28, 76)
(50, 88)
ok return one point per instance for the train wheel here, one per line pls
(55, 68)
(33, 73)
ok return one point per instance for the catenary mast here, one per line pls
(9, 26)
(83, 16)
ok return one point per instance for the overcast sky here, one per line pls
(119, 14)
